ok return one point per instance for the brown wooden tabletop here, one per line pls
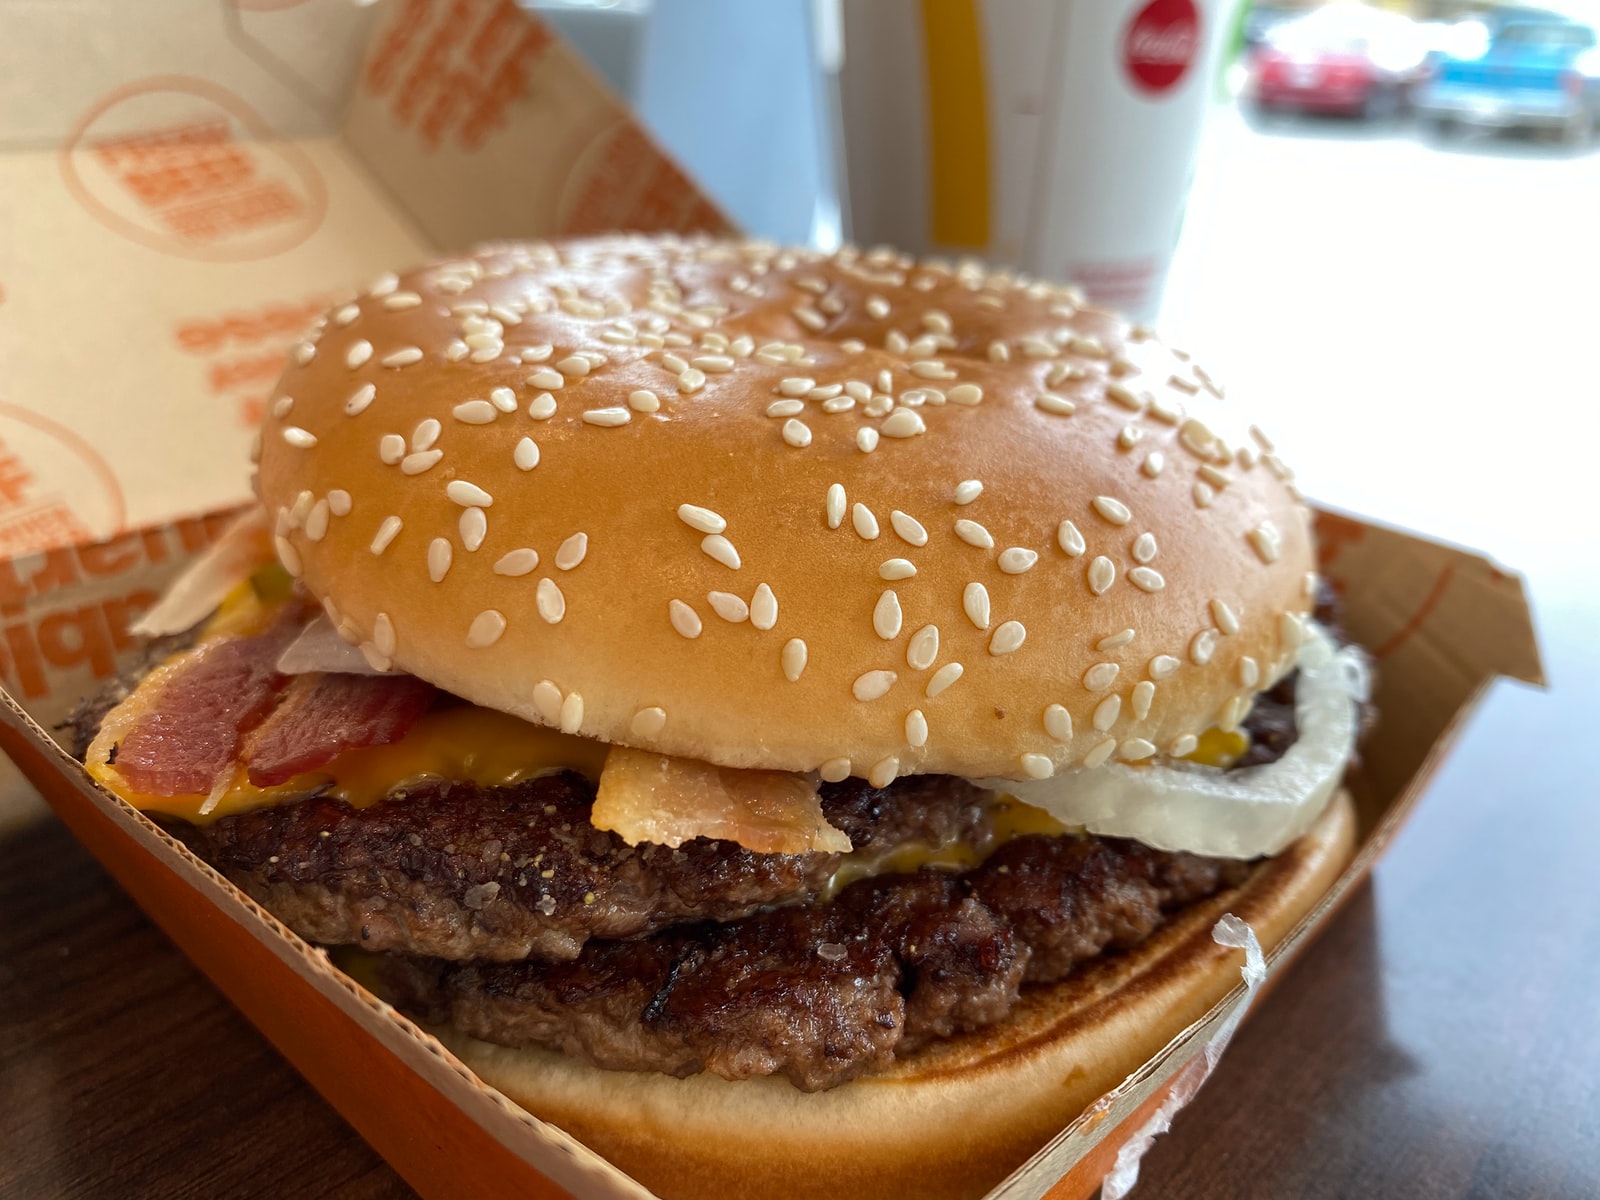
(1442, 1039)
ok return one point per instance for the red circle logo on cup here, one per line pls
(1162, 40)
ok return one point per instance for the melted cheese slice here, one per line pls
(467, 743)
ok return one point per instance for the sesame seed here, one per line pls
(974, 534)
(1102, 574)
(975, 603)
(721, 549)
(475, 412)
(474, 527)
(300, 439)
(1115, 641)
(383, 636)
(763, 608)
(648, 722)
(455, 351)
(923, 648)
(1163, 665)
(1114, 511)
(896, 568)
(1037, 766)
(546, 377)
(416, 464)
(526, 454)
(1224, 617)
(1107, 712)
(968, 490)
(1183, 746)
(1144, 692)
(289, 556)
(886, 615)
(1100, 676)
(903, 423)
(439, 556)
(571, 367)
(550, 600)
(542, 407)
(281, 406)
(883, 772)
(838, 404)
(835, 770)
(375, 660)
(691, 381)
(1100, 752)
(1291, 630)
(1121, 393)
(401, 300)
(515, 562)
(571, 721)
(810, 318)
(1037, 347)
(728, 606)
(1196, 438)
(1135, 749)
(467, 494)
(1089, 347)
(1204, 494)
(1202, 647)
(877, 307)
(909, 529)
(966, 394)
(871, 685)
(793, 659)
(359, 399)
(702, 519)
(1232, 713)
(386, 534)
(302, 505)
(865, 523)
(796, 386)
(1152, 464)
(895, 342)
(609, 417)
(1265, 541)
(786, 408)
(1017, 560)
(1164, 410)
(1058, 723)
(1062, 372)
(943, 678)
(1007, 638)
(403, 357)
(1147, 579)
(1262, 439)
(359, 352)
(572, 551)
(1069, 539)
(644, 401)
(797, 433)
(866, 439)
(1059, 405)
(316, 526)
(1144, 547)
(339, 502)
(425, 434)
(835, 505)
(486, 628)
(384, 284)
(999, 352)
(1249, 672)
(304, 352)
(1217, 479)
(1129, 437)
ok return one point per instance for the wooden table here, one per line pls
(1441, 1040)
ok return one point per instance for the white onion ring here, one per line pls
(320, 649)
(1242, 813)
(205, 583)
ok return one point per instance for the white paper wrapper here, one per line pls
(1228, 931)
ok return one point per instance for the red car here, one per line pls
(1345, 58)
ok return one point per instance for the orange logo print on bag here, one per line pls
(184, 166)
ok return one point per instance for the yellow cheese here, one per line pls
(477, 745)
(1219, 749)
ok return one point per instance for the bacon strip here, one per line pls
(191, 732)
(324, 715)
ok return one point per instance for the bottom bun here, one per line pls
(949, 1121)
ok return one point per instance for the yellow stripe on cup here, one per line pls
(958, 123)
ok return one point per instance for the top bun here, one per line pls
(771, 508)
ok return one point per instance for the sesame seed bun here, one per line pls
(769, 508)
(951, 1120)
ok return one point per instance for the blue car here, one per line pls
(1528, 71)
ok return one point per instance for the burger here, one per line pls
(791, 720)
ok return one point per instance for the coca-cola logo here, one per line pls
(1162, 40)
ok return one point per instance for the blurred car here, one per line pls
(1529, 70)
(1344, 58)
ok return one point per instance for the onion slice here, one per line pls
(320, 649)
(1243, 813)
(205, 583)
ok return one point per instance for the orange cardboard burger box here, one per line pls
(194, 198)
